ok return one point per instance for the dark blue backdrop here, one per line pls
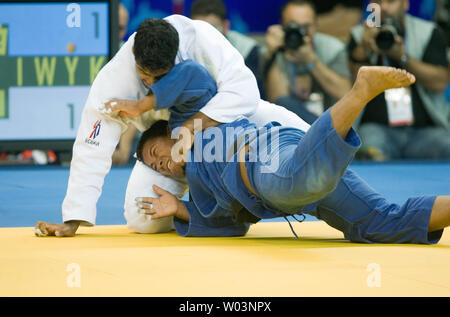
(245, 16)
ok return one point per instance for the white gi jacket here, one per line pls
(98, 134)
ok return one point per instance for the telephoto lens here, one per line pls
(293, 35)
(389, 29)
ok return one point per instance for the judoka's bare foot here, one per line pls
(370, 82)
(373, 80)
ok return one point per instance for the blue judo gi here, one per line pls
(292, 172)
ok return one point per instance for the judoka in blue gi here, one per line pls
(238, 174)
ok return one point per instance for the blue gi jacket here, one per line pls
(215, 183)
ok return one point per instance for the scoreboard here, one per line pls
(50, 53)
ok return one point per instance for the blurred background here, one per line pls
(37, 68)
(253, 16)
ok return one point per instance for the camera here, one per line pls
(293, 35)
(389, 29)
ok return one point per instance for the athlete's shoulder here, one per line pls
(179, 22)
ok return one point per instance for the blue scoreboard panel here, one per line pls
(50, 53)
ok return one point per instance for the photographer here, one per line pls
(407, 123)
(306, 71)
(215, 13)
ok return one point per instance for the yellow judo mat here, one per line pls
(267, 262)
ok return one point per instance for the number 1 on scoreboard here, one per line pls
(71, 107)
(95, 14)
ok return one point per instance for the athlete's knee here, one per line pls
(140, 185)
(317, 185)
(298, 193)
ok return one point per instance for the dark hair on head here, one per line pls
(299, 3)
(207, 7)
(158, 129)
(156, 45)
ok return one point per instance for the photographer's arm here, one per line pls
(432, 76)
(277, 84)
(274, 40)
(361, 51)
(330, 81)
(334, 84)
(358, 53)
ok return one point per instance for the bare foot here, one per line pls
(373, 80)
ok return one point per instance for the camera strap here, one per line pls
(270, 62)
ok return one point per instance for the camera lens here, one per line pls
(293, 35)
(293, 40)
(388, 31)
(385, 39)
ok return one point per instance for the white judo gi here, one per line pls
(99, 134)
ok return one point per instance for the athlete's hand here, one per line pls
(44, 229)
(125, 108)
(164, 206)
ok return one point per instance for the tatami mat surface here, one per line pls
(269, 261)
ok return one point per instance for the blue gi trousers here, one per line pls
(313, 177)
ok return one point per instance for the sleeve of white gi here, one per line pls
(92, 152)
(98, 136)
(238, 93)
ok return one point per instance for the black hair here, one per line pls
(207, 7)
(156, 45)
(299, 3)
(158, 129)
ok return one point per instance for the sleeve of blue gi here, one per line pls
(187, 83)
(200, 226)
(237, 90)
